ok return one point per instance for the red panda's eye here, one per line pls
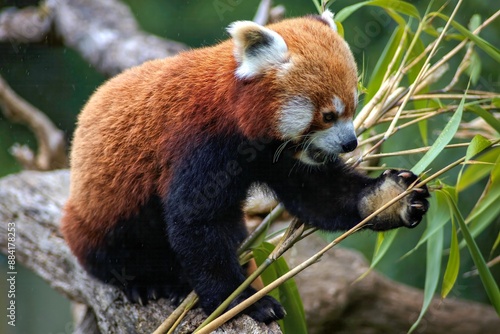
(329, 117)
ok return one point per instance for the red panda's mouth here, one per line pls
(318, 155)
(313, 155)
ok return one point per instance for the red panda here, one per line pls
(164, 154)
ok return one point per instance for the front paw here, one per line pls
(267, 309)
(415, 205)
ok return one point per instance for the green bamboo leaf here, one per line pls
(396, 17)
(474, 173)
(384, 242)
(453, 265)
(432, 272)
(398, 6)
(287, 293)
(487, 278)
(444, 138)
(317, 5)
(423, 129)
(495, 245)
(437, 217)
(481, 43)
(485, 211)
(488, 117)
(340, 29)
(496, 102)
(475, 22)
(486, 208)
(474, 68)
(476, 146)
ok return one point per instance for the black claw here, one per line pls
(152, 294)
(414, 224)
(405, 174)
(264, 310)
(418, 205)
(143, 294)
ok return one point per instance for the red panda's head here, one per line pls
(311, 78)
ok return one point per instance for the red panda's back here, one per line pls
(114, 164)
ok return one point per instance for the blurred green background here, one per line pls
(58, 81)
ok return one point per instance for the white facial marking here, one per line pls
(338, 105)
(355, 96)
(332, 139)
(296, 116)
(254, 59)
(328, 17)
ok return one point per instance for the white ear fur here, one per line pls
(328, 17)
(256, 48)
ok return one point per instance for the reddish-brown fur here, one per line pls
(137, 126)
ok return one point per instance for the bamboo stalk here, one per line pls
(368, 108)
(412, 151)
(423, 71)
(455, 96)
(455, 50)
(275, 213)
(177, 315)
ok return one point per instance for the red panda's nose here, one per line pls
(350, 145)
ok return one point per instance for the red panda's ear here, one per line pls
(328, 17)
(256, 48)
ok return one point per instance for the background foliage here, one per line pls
(58, 81)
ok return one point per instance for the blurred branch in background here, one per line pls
(267, 14)
(104, 32)
(27, 25)
(51, 145)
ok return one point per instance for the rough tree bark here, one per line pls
(33, 201)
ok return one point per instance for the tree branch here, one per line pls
(104, 32)
(27, 25)
(51, 145)
(33, 202)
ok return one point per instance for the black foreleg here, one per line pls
(335, 197)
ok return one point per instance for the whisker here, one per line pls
(309, 143)
(279, 150)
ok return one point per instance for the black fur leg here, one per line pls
(266, 310)
(138, 259)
